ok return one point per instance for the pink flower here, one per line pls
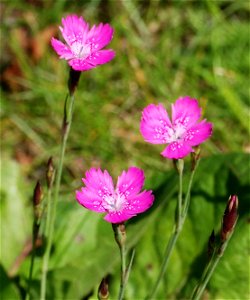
(184, 132)
(120, 203)
(83, 45)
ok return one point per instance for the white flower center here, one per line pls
(81, 50)
(176, 133)
(114, 202)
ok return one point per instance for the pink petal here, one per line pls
(99, 182)
(198, 133)
(100, 36)
(120, 205)
(117, 217)
(75, 29)
(139, 203)
(98, 185)
(155, 124)
(100, 57)
(130, 182)
(90, 200)
(185, 111)
(177, 150)
(80, 64)
(61, 49)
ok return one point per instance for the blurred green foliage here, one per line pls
(164, 49)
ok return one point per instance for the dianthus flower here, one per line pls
(184, 132)
(121, 202)
(83, 45)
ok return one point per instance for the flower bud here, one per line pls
(230, 217)
(103, 290)
(50, 172)
(37, 195)
(178, 165)
(195, 156)
(120, 233)
(37, 198)
(74, 77)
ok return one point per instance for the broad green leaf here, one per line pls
(8, 290)
(15, 213)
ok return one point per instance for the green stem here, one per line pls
(201, 288)
(181, 213)
(174, 236)
(45, 260)
(129, 266)
(48, 212)
(123, 271)
(180, 166)
(209, 270)
(187, 198)
(34, 237)
(51, 218)
(120, 237)
(167, 254)
(125, 274)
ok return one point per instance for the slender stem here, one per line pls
(175, 234)
(180, 166)
(120, 237)
(209, 270)
(181, 213)
(129, 266)
(123, 271)
(167, 255)
(34, 237)
(51, 220)
(187, 198)
(45, 260)
(37, 214)
(48, 212)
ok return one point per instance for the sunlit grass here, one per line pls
(163, 51)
